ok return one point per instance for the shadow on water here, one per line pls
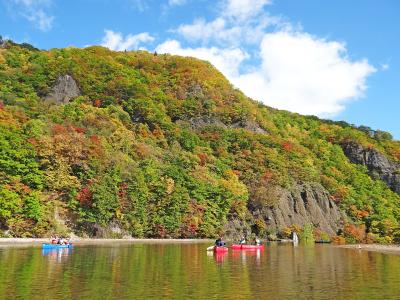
(187, 271)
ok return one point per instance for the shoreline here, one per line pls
(385, 249)
(26, 242)
(29, 242)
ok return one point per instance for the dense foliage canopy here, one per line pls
(163, 146)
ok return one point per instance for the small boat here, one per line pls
(322, 242)
(247, 247)
(56, 246)
(220, 249)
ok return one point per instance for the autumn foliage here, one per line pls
(164, 146)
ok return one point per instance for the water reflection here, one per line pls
(57, 255)
(185, 271)
(220, 257)
(245, 255)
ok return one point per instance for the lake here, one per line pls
(187, 271)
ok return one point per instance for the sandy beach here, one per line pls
(387, 249)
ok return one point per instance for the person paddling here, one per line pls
(242, 241)
(219, 242)
(54, 240)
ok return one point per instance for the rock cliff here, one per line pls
(64, 90)
(305, 203)
(302, 204)
(379, 166)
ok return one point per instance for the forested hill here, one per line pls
(103, 143)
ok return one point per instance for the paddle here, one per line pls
(211, 248)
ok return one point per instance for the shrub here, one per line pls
(307, 234)
(338, 240)
(259, 227)
(354, 233)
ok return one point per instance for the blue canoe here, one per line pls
(56, 246)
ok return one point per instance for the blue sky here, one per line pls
(335, 59)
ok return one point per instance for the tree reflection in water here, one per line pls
(185, 271)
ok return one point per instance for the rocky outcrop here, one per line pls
(64, 90)
(303, 204)
(112, 230)
(194, 91)
(250, 126)
(379, 166)
(200, 122)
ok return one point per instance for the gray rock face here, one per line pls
(306, 203)
(64, 90)
(250, 126)
(378, 165)
(195, 91)
(200, 122)
(112, 230)
(205, 121)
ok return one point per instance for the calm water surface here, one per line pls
(186, 271)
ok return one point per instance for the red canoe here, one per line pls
(220, 249)
(247, 247)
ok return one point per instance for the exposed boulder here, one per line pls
(195, 91)
(64, 90)
(205, 121)
(111, 231)
(303, 204)
(250, 126)
(236, 228)
(378, 164)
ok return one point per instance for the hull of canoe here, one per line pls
(220, 249)
(55, 246)
(247, 247)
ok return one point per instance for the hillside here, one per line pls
(104, 143)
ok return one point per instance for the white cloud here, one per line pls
(305, 74)
(176, 2)
(290, 69)
(140, 5)
(33, 2)
(298, 72)
(226, 60)
(238, 22)
(42, 20)
(384, 67)
(34, 12)
(202, 30)
(243, 9)
(116, 41)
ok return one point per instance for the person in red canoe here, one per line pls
(219, 242)
(257, 241)
(242, 241)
